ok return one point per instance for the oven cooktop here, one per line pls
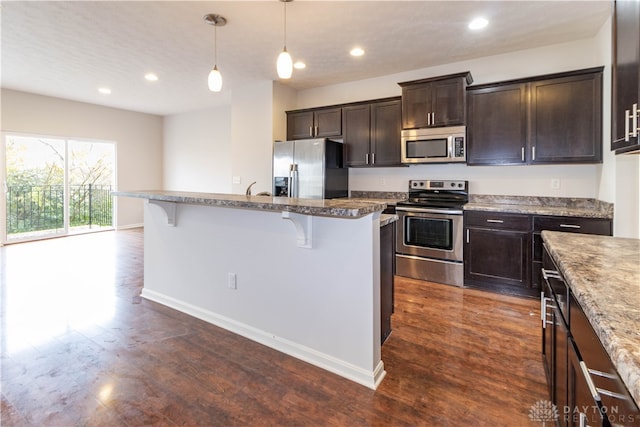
(432, 193)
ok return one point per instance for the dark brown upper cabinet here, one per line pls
(314, 123)
(372, 133)
(497, 124)
(625, 73)
(541, 120)
(435, 102)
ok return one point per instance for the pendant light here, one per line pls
(285, 63)
(215, 78)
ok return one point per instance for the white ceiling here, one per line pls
(69, 49)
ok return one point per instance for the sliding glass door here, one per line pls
(56, 186)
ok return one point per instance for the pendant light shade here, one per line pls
(215, 80)
(284, 65)
(215, 77)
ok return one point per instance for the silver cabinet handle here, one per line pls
(373, 158)
(497, 221)
(310, 130)
(428, 119)
(596, 391)
(433, 119)
(570, 226)
(533, 152)
(467, 235)
(316, 131)
(366, 158)
(550, 274)
(522, 154)
(634, 121)
(627, 119)
(590, 384)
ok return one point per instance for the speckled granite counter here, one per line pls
(604, 276)
(386, 219)
(343, 208)
(556, 206)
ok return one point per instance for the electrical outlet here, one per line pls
(555, 183)
(236, 180)
(232, 281)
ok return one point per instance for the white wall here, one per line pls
(197, 151)
(251, 133)
(575, 180)
(138, 137)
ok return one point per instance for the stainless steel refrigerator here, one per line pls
(310, 168)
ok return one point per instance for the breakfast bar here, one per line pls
(301, 276)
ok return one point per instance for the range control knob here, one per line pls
(460, 185)
(453, 184)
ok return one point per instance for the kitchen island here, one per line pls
(603, 274)
(301, 276)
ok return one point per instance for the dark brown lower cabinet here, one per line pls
(503, 251)
(583, 382)
(387, 270)
(497, 252)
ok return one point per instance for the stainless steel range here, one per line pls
(429, 235)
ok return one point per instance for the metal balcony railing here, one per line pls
(41, 207)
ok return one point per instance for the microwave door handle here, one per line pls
(450, 144)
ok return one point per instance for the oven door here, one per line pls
(429, 233)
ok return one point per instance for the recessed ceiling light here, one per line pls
(356, 51)
(104, 90)
(299, 65)
(151, 77)
(478, 24)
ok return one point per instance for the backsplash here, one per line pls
(356, 194)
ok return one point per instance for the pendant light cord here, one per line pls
(215, 46)
(285, 25)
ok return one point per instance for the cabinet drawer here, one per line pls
(612, 391)
(572, 225)
(497, 220)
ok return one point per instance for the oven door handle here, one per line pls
(428, 210)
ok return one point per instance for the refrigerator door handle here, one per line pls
(296, 189)
(290, 183)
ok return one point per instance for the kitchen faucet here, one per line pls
(248, 192)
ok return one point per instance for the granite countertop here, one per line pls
(386, 219)
(532, 205)
(341, 208)
(604, 276)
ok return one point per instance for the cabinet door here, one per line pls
(385, 133)
(497, 125)
(625, 68)
(448, 102)
(566, 120)
(497, 257)
(328, 122)
(356, 134)
(416, 106)
(300, 125)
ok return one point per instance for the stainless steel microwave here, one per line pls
(434, 145)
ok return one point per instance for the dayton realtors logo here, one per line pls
(544, 411)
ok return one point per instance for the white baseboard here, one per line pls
(370, 379)
(129, 226)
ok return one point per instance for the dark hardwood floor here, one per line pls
(80, 347)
